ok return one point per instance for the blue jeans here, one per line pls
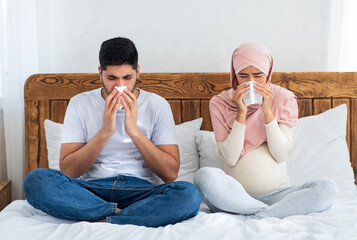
(142, 202)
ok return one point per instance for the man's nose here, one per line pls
(120, 82)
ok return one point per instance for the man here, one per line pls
(117, 149)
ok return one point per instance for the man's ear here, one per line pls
(137, 71)
(100, 73)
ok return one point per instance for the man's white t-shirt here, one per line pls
(84, 119)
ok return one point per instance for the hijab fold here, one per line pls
(224, 110)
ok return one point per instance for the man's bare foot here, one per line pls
(105, 220)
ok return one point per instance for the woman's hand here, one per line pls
(238, 95)
(264, 90)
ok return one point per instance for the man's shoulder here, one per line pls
(85, 95)
(154, 103)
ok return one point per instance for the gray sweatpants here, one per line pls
(222, 193)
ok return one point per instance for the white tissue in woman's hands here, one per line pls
(252, 97)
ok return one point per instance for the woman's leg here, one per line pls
(221, 192)
(313, 196)
(64, 197)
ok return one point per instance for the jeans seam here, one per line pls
(113, 188)
(112, 193)
(126, 212)
(96, 187)
(131, 209)
(114, 209)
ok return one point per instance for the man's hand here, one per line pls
(112, 103)
(131, 112)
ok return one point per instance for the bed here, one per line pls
(325, 146)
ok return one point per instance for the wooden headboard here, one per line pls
(47, 96)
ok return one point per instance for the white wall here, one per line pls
(185, 35)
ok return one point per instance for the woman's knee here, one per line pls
(327, 192)
(328, 188)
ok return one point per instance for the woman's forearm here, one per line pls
(231, 148)
(279, 139)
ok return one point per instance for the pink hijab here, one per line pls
(224, 111)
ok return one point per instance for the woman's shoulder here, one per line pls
(283, 94)
(215, 100)
(285, 102)
(221, 99)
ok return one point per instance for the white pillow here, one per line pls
(53, 132)
(320, 150)
(207, 150)
(186, 139)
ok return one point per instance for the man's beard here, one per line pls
(108, 93)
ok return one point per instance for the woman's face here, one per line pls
(251, 74)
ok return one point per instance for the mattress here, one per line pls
(19, 220)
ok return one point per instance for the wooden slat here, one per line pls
(44, 113)
(337, 102)
(321, 105)
(32, 137)
(5, 193)
(205, 114)
(318, 84)
(176, 110)
(190, 110)
(305, 107)
(3, 170)
(58, 110)
(185, 85)
(354, 136)
(59, 86)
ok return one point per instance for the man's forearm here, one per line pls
(78, 162)
(160, 162)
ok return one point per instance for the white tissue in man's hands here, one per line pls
(252, 97)
(121, 89)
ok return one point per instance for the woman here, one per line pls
(255, 143)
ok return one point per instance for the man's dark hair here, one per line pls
(118, 51)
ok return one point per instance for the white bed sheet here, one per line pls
(19, 220)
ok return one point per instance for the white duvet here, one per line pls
(19, 220)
